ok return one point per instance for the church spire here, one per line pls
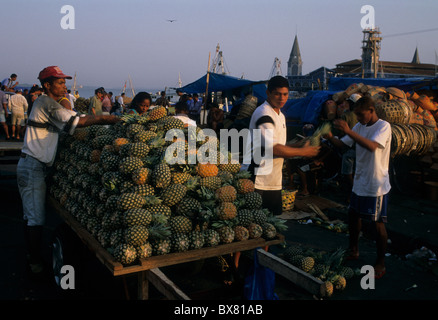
(416, 58)
(294, 64)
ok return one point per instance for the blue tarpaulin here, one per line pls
(307, 109)
(406, 84)
(219, 82)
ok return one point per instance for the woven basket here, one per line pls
(288, 199)
(393, 111)
(412, 139)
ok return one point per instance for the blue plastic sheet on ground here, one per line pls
(260, 282)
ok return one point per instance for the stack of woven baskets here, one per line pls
(413, 116)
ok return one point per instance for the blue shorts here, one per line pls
(31, 178)
(370, 208)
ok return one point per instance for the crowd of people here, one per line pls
(16, 104)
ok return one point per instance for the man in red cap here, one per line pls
(46, 120)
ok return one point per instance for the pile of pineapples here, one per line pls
(116, 181)
(329, 267)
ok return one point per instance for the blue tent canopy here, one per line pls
(307, 109)
(217, 82)
(406, 84)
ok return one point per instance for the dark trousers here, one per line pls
(272, 200)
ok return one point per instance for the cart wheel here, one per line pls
(66, 250)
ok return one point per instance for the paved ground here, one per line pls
(413, 223)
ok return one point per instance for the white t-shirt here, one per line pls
(371, 178)
(18, 104)
(272, 131)
(187, 121)
(41, 143)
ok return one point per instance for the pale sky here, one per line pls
(115, 39)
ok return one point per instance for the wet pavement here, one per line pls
(413, 224)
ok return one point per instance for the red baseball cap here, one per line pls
(52, 71)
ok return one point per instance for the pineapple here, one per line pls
(81, 134)
(111, 220)
(255, 230)
(339, 282)
(169, 122)
(125, 253)
(103, 130)
(137, 216)
(133, 129)
(346, 272)
(326, 289)
(180, 242)
(161, 247)
(118, 142)
(188, 207)
(211, 238)
(253, 200)
(226, 194)
(100, 141)
(230, 167)
(180, 224)
(245, 217)
(143, 190)
(103, 236)
(296, 260)
(241, 233)
(160, 210)
(136, 149)
(226, 177)
(157, 113)
(95, 156)
(291, 252)
(161, 175)
(141, 175)
(180, 177)
(321, 270)
(144, 136)
(244, 186)
(207, 170)
(306, 264)
(130, 164)
(130, 200)
(212, 183)
(136, 235)
(144, 251)
(226, 234)
(173, 194)
(259, 217)
(196, 240)
(159, 238)
(269, 231)
(226, 211)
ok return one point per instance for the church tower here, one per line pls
(416, 58)
(295, 64)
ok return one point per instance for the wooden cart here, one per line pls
(148, 269)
